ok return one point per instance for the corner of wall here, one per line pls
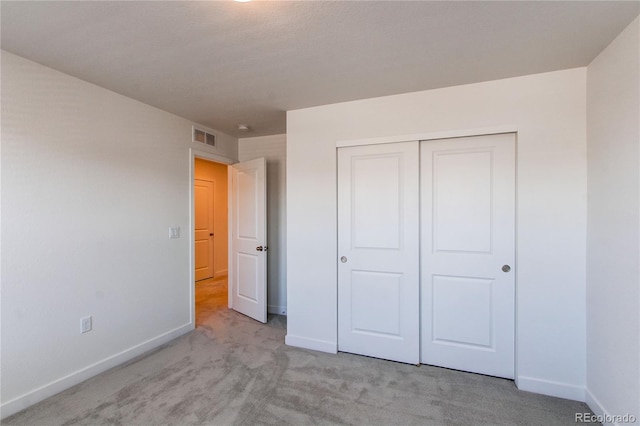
(613, 233)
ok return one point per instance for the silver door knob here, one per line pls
(506, 268)
(343, 259)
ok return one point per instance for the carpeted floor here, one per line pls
(234, 371)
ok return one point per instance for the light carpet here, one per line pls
(232, 370)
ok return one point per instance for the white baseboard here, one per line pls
(313, 344)
(43, 392)
(605, 416)
(551, 388)
(278, 310)
(594, 404)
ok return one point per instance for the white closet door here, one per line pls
(378, 251)
(468, 253)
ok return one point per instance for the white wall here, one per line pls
(274, 150)
(91, 182)
(549, 111)
(613, 230)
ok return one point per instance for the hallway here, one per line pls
(212, 306)
(211, 296)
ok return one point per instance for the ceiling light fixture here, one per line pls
(243, 127)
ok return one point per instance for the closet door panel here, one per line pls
(468, 253)
(378, 249)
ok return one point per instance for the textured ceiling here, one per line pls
(222, 63)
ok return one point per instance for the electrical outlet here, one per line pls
(85, 324)
(174, 232)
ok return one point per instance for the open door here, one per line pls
(248, 239)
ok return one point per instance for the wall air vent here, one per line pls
(204, 137)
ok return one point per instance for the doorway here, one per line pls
(239, 222)
(210, 189)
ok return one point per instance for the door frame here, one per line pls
(450, 134)
(208, 156)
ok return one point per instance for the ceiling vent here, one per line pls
(204, 137)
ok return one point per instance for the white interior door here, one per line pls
(248, 238)
(203, 245)
(468, 234)
(378, 249)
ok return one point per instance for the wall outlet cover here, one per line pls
(86, 324)
(174, 232)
